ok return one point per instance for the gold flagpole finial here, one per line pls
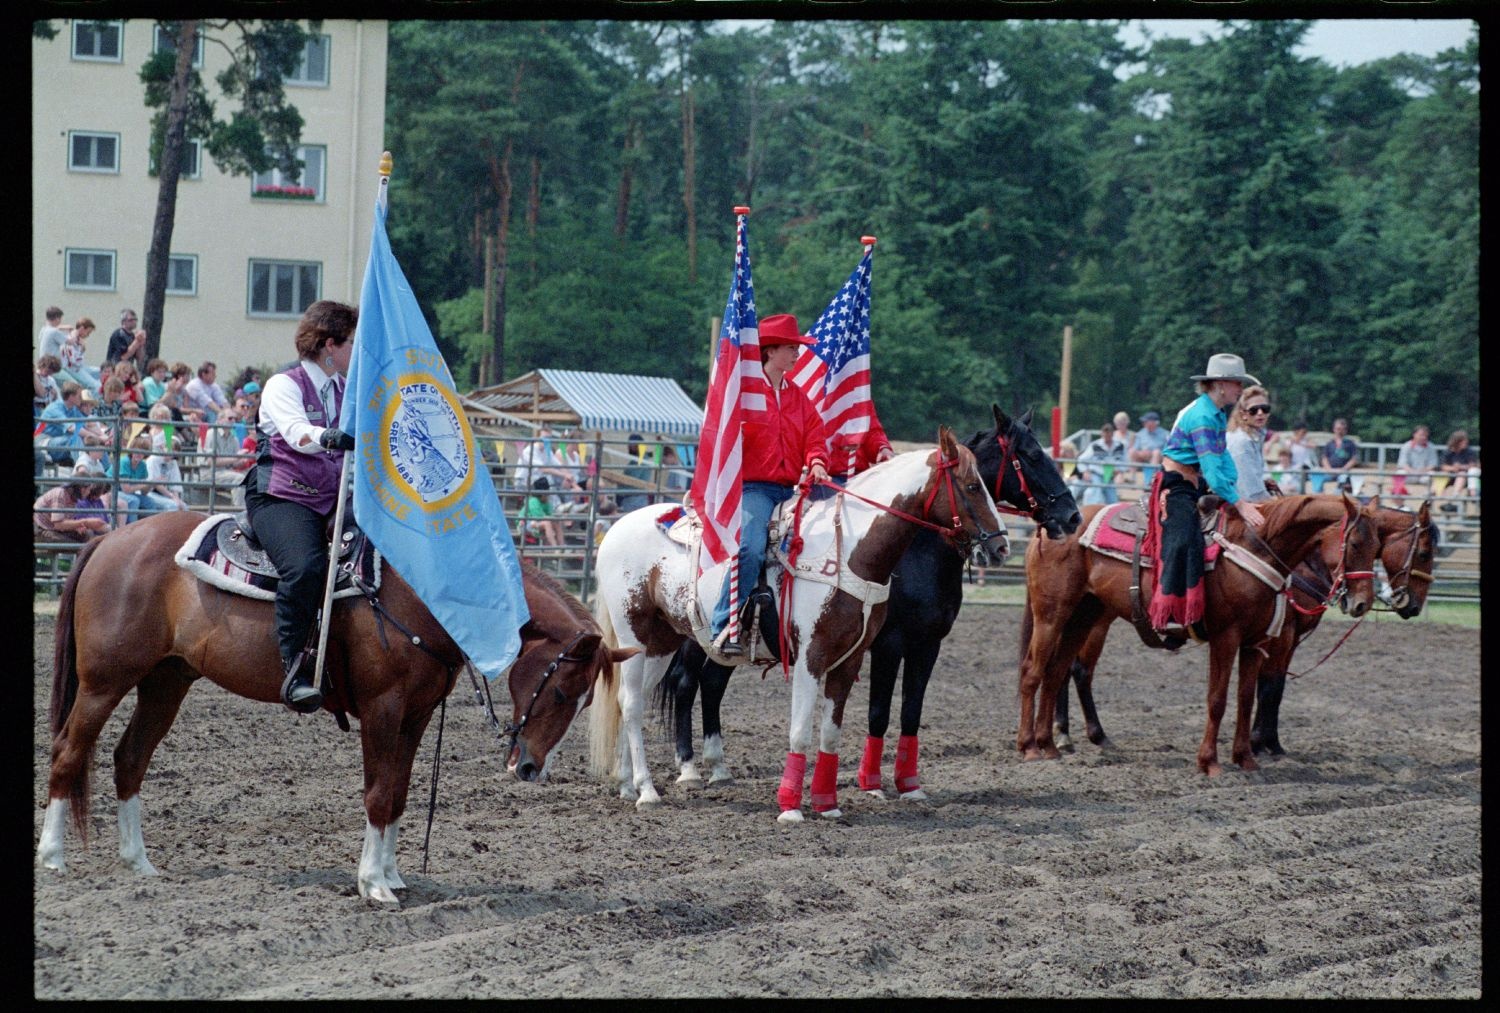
(385, 163)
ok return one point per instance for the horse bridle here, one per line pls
(1038, 511)
(955, 533)
(1401, 596)
(514, 728)
(1339, 586)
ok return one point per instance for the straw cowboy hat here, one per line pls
(1224, 366)
(782, 329)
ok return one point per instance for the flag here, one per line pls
(421, 491)
(834, 373)
(738, 385)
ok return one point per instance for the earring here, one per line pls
(329, 360)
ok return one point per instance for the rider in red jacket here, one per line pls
(778, 443)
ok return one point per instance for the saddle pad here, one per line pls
(249, 572)
(1105, 536)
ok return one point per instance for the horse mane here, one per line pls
(555, 588)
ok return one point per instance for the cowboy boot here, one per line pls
(298, 691)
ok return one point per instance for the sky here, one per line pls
(1340, 42)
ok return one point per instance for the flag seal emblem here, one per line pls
(424, 440)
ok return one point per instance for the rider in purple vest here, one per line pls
(293, 489)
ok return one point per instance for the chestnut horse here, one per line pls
(389, 668)
(646, 594)
(1407, 542)
(1070, 589)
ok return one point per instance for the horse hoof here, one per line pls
(57, 865)
(647, 802)
(1099, 739)
(690, 780)
(875, 793)
(832, 814)
(721, 777)
(1063, 741)
(915, 795)
(1031, 754)
(628, 793)
(141, 867)
(380, 893)
(1213, 770)
(1248, 765)
(790, 816)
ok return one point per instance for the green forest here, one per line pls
(1166, 202)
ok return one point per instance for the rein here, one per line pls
(1340, 579)
(482, 696)
(954, 533)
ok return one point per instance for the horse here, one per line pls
(926, 593)
(647, 591)
(1407, 542)
(389, 663)
(1070, 589)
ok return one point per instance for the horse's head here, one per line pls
(1360, 544)
(956, 497)
(551, 682)
(1408, 546)
(1013, 465)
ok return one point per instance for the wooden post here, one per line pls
(1067, 375)
(487, 362)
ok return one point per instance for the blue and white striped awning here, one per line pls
(603, 402)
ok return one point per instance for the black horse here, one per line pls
(926, 592)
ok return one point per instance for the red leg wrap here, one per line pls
(906, 764)
(825, 782)
(789, 795)
(869, 765)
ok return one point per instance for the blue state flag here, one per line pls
(421, 490)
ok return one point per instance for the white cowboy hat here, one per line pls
(1224, 366)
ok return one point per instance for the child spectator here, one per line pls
(537, 514)
(155, 383)
(164, 474)
(1460, 462)
(44, 383)
(135, 479)
(72, 355)
(60, 430)
(73, 512)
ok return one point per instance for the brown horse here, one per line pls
(1070, 589)
(1407, 542)
(389, 666)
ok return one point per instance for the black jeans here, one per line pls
(295, 538)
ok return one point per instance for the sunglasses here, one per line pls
(1258, 409)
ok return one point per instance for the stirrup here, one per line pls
(297, 689)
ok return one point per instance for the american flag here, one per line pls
(835, 372)
(738, 385)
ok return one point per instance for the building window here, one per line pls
(90, 152)
(90, 269)
(283, 288)
(98, 40)
(306, 185)
(192, 161)
(312, 69)
(163, 41)
(182, 274)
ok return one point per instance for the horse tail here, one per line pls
(604, 713)
(682, 674)
(65, 683)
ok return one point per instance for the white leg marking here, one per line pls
(689, 777)
(713, 758)
(132, 844)
(828, 732)
(372, 882)
(50, 851)
(388, 859)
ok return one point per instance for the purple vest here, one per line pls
(309, 479)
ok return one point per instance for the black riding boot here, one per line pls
(298, 691)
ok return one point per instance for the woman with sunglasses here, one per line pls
(1246, 443)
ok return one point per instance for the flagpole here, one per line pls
(869, 244)
(733, 629)
(346, 471)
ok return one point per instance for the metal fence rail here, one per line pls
(610, 471)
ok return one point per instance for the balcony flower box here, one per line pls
(286, 192)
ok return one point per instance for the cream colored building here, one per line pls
(248, 254)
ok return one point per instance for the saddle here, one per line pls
(222, 551)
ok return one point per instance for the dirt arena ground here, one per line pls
(1350, 867)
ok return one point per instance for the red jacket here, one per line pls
(780, 441)
(869, 444)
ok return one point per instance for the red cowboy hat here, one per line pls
(782, 329)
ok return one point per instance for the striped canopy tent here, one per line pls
(597, 402)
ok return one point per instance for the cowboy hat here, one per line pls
(1224, 366)
(782, 329)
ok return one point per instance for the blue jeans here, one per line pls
(758, 500)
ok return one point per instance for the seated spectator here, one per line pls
(165, 476)
(44, 383)
(1123, 434)
(1460, 464)
(70, 513)
(135, 479)
(230, 460)
(203, 395)
(632, 498)
(676, 478)
(1418, 458)
(537, 514)
(121, 338)
(155, 383)
(60, 431)
(1147, 446)
(1097, 464)
(72, 355)
(130, 382)
(134, 351)
(1340, 457)
(52, 336)
(247, 375)
(1290, 481)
